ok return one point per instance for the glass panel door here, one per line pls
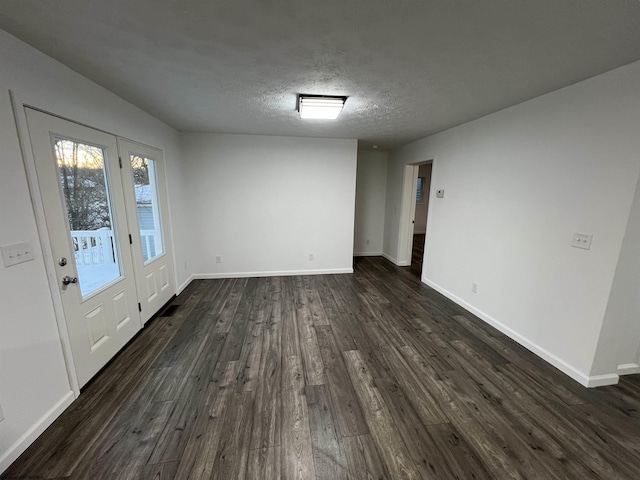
(83, 201)
(85, 189)
(146, 201)
(145, 180)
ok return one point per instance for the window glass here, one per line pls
(147, 206)
(82, 176)
(420, 190)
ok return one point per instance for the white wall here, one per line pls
(393, 204)
(420, 218)
(371, 192)
(517, 184)
(34, 386)
(619, 343)
(264, 203)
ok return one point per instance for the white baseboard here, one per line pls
(367, 254)
(628, 369)
(390, 258)
(394, 261)
(602, 380)
(577, 375)
(184, 285)
(284, 273)
(15, 450)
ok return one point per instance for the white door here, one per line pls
(146, 199)
(84, 204)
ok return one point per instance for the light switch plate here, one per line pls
(440, 193)
(582, 240)
(16, 253)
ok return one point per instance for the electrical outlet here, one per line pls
(440, 193)
(582, 240)
(16, 253)
(218, 259)
(474, 287)
(312, 256)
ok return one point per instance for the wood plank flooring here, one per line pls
(364, 376)
(417, 254)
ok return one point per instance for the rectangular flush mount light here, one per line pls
(320, 106)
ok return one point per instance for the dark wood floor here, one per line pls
(417, 254)
(364, 376)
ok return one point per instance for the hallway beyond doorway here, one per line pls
(417, 254)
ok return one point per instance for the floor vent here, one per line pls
(169, 311)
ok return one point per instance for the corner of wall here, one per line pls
(617, 350)
(582, 378)
(28, 437)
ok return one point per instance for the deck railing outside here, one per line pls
(96, 247)
(93, 247)
(150, 241)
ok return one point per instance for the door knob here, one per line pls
(67, 280)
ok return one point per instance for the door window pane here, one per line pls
(82, 175)
(420, 190)
(147, 206)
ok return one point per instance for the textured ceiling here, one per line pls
(410, 68)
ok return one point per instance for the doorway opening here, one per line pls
(423, 188)
(414, 214)
(110, 260)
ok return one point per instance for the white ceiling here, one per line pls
(409, 67)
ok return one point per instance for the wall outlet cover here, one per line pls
(440, 193)
(582, 240)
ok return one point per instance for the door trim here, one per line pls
(407, 212)
(19, 105)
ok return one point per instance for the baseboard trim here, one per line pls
(367, 254)
(15, 450)
(628, 369)
(283, 273)
(185, 284)
(602, 380)
(577, 375)
(390, 258)
(394, 261)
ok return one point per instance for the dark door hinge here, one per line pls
(139, 307)
(130, 240)
(120, 161)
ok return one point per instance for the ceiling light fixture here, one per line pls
(320, 106)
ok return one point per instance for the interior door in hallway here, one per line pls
(81, 188)
(147, 207)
